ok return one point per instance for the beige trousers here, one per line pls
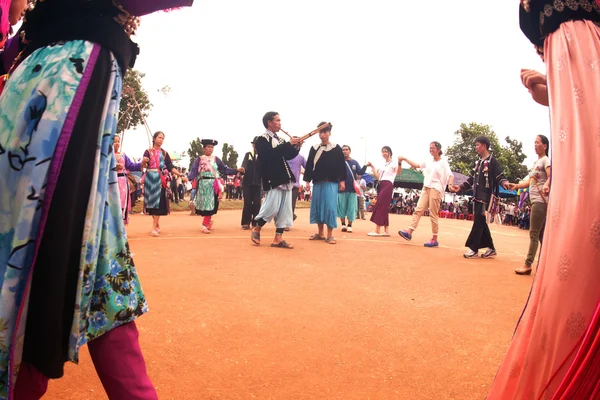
(430, 198)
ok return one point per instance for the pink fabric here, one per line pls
(124, 191)
(4, 22)
(555, 349)
(124, 194)
(118, 361)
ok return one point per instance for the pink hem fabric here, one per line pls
(119, 363)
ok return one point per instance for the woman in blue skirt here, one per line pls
(327, 170)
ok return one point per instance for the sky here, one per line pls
(383, 72)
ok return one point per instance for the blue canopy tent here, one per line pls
(507, 193)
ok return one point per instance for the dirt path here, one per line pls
(368, 318)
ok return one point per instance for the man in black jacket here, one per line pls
(485, 181)
(277, 180)
(251, 186)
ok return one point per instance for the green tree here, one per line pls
(196, 150)
(129, 114)
(512, 160)
(462, 154)
(230, 156)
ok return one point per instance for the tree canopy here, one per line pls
(462, 154)
(230, 156)
(129, 114)
(196, 150)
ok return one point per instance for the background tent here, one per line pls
(409, 179)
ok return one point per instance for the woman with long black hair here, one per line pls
(385, 175)
(538, 183)
(157, 180)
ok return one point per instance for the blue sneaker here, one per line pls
(431, 243)
(405, 235)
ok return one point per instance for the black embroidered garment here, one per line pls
(539, 18)
(252, 176)
(273, 152)
(485, 180)
(330, 166)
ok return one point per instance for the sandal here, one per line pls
(255, 237)
(154, 233)
(282, 245)
(316, 236)
(331, 240)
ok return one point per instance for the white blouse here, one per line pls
(388, 171)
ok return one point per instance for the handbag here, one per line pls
(356, 185)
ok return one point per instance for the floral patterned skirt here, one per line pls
(66, 273)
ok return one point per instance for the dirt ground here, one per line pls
(367, 318)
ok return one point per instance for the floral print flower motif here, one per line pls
(115, 268)
(101, 281)
(578, 94)
(575, 325)
(543, 296)
(96, 300)
(98, 320)
(89, 284)
(133, 300)
(595, 234)
(564, 268)
(595, 65)
(586, 5)
(573, 4)
(544, 342)
(515, 370)
(568, 36)
(556, 214)
(579, 178)
(560, 65)
(559, 5)
(563, 134)
(119, 300)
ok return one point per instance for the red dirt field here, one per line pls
(367, 318)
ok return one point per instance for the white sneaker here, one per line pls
(349, 230)
(344, 229)
(471, 254)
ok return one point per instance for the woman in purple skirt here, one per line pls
(385, 175)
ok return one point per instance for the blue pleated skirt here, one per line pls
(323, 207)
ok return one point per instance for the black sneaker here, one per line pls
(490, 253)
